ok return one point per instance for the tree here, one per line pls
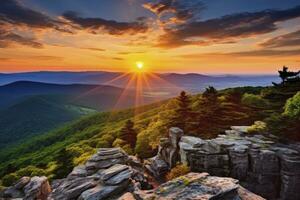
(183, 112)
(208, 112)
(284, 74)
(65, 163)
(292, 106)
(128, 134)
(211, 95)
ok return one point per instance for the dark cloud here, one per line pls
(14, 13)
(286, 40)
(175, 11)
(8, 39)
(94, 25)
(117, 58)
(93, 49)
(254, 53)
(227, 28)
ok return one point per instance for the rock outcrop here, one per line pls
(112, 174)
(262, 164)
(106, 174)
(28, 189)
(199, 186)
(168, 154)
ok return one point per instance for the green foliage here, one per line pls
(258, 127)
(253, 100)
(9, 179)
(35, 116)
(128, 134)
(182, 112)
(177, 171)
(292, 106)
(57, 152)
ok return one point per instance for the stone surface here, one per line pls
(263, 165)
(108, 173)
(102, 191)
(79, 171)
(127, 196)
(72, 188)
(197, 186)
(12, 192)
(37, 188)
(22, 182)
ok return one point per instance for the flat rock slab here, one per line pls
(102, 192)
(196, 186)
(72, 188)
(112, 171)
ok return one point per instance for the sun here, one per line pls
(139, 65)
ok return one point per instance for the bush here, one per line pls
(31, 171)
(292, 106)
(177, 171)
(10, 179)
(253, 100)
(257, 127)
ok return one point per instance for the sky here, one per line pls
(200, 36)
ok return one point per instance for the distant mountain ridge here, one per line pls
(189, 81)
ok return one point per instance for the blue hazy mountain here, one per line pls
(191, 81)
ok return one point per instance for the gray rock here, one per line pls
(110, 172)
(241, 129)
(102, 192)
(119, 178)
(175, 135)
(194, 142)
(12, 192)
(22, 182)
(158, 167)
(79, 171)
(37, 188)
(197, 186)
(72, 188)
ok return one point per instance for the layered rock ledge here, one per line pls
(262, 164)
(112, 174)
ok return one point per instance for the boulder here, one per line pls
(72, 188)
(102, 191)
(79, 171)
(22, 182)
(197, 186)
(12, 192)
(158, 167)
(112, 171)
(175, 135)
(37, 188)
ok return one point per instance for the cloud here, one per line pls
(46, 58)
(226, 29)
(175, 11)
(254, 53)
(96, 25)
(8, 39)
(286, 40)
(92, 49)
(14, 13)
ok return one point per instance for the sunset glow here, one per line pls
(112, 35)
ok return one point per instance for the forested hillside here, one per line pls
(271, 109)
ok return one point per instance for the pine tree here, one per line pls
(209, 111)
(128, 134)
(182, 112)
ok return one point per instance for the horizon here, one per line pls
(167, 36)
(120, 72)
